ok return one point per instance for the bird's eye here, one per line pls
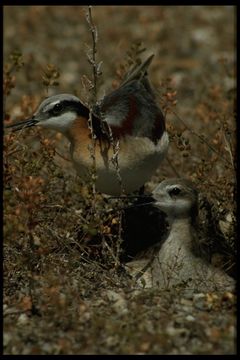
(57, 109)
(174, 191)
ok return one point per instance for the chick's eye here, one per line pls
(174, 191)
(57, 109)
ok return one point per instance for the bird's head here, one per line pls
(56, 112)
(177, 198)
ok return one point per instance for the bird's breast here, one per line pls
(133, 158)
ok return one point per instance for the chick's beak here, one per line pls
(22, 124)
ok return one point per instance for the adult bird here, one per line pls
(128, 132)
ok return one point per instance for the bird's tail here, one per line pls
(137, 72)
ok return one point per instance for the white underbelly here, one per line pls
(130, 179)
(137, 162)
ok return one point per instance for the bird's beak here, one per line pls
(22, 124)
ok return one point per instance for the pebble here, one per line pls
(47, 348)
(119, 303)
(199, 301)
(225, 225)
(22, 319)
(232, 331)
(6, 339)
(190, 318)
(172, 331)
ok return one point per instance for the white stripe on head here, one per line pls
(50, 106)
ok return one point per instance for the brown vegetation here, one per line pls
(65, 290)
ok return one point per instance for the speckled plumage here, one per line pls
(178, 261)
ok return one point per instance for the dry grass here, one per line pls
(62, 260)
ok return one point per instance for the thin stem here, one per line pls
(92, 58)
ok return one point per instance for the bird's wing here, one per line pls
(132, 109)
